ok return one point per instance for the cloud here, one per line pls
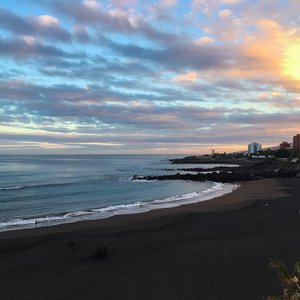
(225, 13)
(194, 127)
(205, 40)
(98, 144)
(265, 48)
(124, 2)
(27, 46)
(44, 26)
(168, 3)
(192, 76)
(112, 20)
(47, 21)
(91, 104)
(207, 7)
(176, 56)
(121, 76)
(81, 34)
(261, 50)
(92, 4)
(231, 1)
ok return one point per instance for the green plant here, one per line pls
(289, 282)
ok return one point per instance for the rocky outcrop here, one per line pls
(201, 160)
(254, 171)
(221, 176)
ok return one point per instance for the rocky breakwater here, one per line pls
(248, 170)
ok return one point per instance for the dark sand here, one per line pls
(218, 249)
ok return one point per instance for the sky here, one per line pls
(157, 76)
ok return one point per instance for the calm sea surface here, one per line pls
(58, 189)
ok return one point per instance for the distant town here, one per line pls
(285, 150)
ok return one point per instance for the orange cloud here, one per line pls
(270, 53)
(291, 60)
(264, 48)
(268, 95)
(48, 21)
(192, 76)
(230, 1)
(205, 40)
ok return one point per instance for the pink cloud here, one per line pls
(192, 76)
(231, 1)
(47, 21)
(225, 13)
(168, 2)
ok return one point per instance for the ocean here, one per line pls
(55, 189)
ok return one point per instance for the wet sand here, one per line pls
(218, 249)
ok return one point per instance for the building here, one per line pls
(254, 148)
(285, 145)
(296, 140)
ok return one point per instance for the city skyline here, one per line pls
(165, 76)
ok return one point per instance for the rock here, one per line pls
(253, 171)
(101, 253)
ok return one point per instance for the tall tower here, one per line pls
(254, 148)
(296, 141)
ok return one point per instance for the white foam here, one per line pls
(218, 189)
(139, 179)
(218, 172)
(142, 180)
(7, 188)
(77, 214)
(27, 222)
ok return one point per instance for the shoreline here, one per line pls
(214, 249)
(239, 198)
(217, 190)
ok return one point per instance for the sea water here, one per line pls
(56, 189)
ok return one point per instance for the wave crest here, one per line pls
(218, 189)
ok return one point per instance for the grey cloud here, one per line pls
(264, 119)
(19, 48)
(96, 103)
(110, 21)
(81, 34)
(178, 56)
(94, 69)
(289, 10)
(31, 26)
(152, 124)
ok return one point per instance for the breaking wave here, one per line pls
(218, 189)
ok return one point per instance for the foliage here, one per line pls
(289, 282)
(283, 153)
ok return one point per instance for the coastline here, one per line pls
(241, 196)
(172, 253)
(215, 190)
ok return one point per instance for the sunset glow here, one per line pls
(155, 76)
(292, 61)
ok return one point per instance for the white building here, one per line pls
(254, 148)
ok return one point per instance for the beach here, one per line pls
(217, 249)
